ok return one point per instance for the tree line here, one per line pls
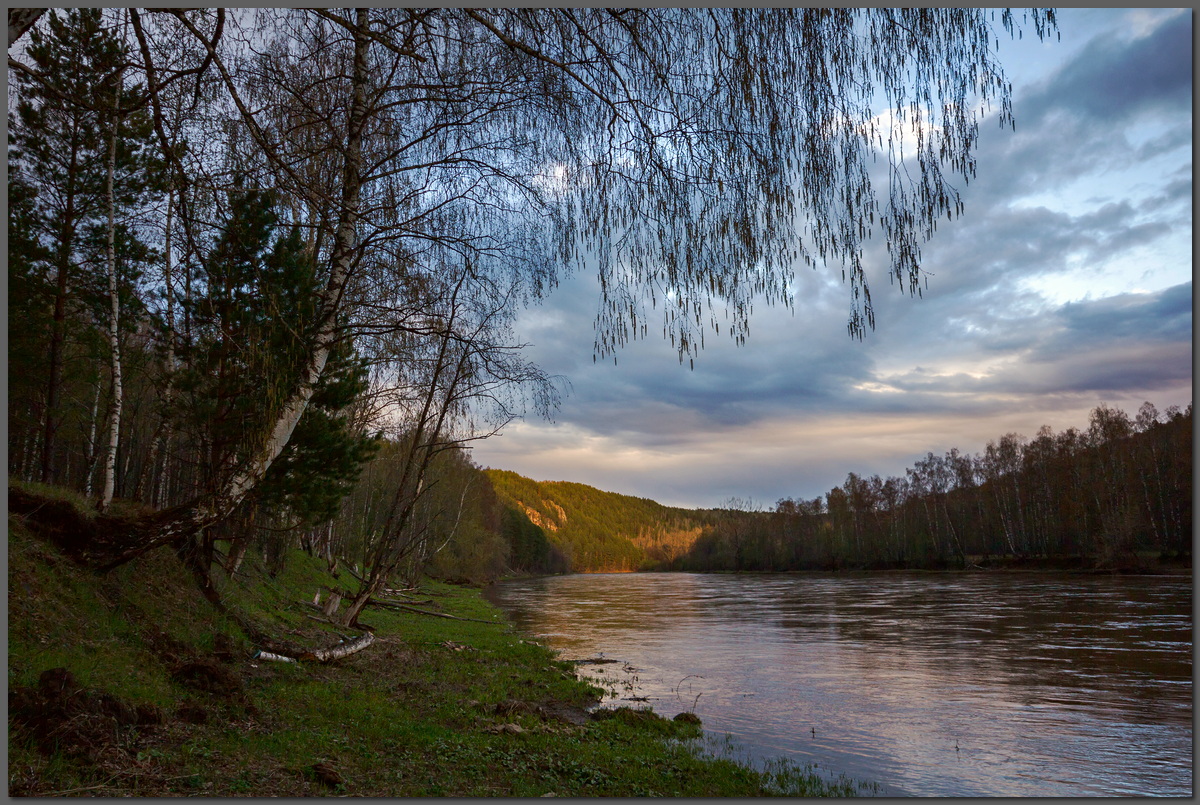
(1099, 497)
(1114, 495)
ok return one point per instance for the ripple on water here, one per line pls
(1046, 686)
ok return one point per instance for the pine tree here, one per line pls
(59, 139)
(251, 320)
(30, 290)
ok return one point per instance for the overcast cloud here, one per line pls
(1067, 283)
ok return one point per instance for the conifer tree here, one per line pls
(251, 323)
(30, 290)
(59, 139)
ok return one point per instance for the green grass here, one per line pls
(418, 713)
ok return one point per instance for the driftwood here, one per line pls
(322, 654)
(342, 650)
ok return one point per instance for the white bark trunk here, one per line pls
(322, 654)
(155, 470)
(345, 649)
(114, 543)
(344, 245)
(331, 606)
(114, 432)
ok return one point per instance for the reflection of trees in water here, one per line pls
(1041, 677)
(1025, 629)
(1073, 642)
(603, 603)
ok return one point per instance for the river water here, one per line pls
(928, 684)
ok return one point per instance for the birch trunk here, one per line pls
(322, 654)
(114, 330)
(345, 238)
(161, 493)
(328, 554)
(152, 474)
(954, 545)
(236, 554)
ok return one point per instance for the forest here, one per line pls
(1106, 497)
(215, 333)
(1110, 497)
(264, 267)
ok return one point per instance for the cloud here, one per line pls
(1173, 194)
(1166, 315)
(1125, 347)
(1117, 105)
(1067, 283)
(1115, 77)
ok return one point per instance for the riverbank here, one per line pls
(930, 683)
(132, 684)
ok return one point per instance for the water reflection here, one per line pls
(966, 685)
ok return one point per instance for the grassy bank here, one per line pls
(132, 684)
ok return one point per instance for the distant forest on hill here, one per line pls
(1116, 495)
(1102, 497)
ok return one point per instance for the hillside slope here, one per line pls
(598, 531)
(130, 683)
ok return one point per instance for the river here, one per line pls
(928, 684)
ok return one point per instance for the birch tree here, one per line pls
(62, 149)
(114, 324)
(63, 141)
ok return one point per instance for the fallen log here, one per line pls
(407, 602)
(343, 649)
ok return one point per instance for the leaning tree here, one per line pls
(693, 158)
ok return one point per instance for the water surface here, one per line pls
(929, 684)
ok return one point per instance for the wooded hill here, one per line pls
(1114, 496)
(589, 530)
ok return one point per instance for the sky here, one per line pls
(1066, 284)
